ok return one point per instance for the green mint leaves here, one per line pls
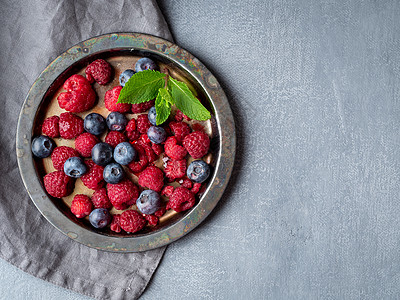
(147, 85)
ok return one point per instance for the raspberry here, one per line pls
(181, 199)
(143, 123)
(99, 71)
(197, 144)
(151, 156)
(142, 107)
(84, 144)
(50, 127)
(60, 155)
(159, 213)
(100, 199)
(70, 125)
(196, 188)
(187, 183)
(152, 178)
(81, 206)
(138, 166)
(157, 148)
(180, 130)
(111, 98)
(167, 190)
(132, 135)
(93, 178)
(115, 223)
(145, 138)
(175, 169)
(58, 185)
(80, 95)
(115, 137)
(152, 219)
(173, 150)
(131, 126)
(197, 127)
(131, 221)
(122, 194)
(179, 116)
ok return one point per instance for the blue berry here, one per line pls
(42, 146)
(148, 202)
(102, 154)
(145, 63)
(113, 173)
(156, 134)
(124, 153)
(74, 167)
(94, 124)
(198, 171)
(100, 218)
(125, 76)
(152, 115)
(116, 121)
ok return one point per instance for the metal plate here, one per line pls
(121, 50)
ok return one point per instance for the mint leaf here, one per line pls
(163, 105)
(186, 102)
(141, 87)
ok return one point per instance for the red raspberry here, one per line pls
(142, 107)
(197, 127)
(80, 95)
(131, 221)
(197, 144)
(115, 223)
(84, 144)
(122, 194)
(99, 71)
(159, 213)
(61, 154)
(50, 127)
(93, 178)
(175, 169)
(100, 199)
(173, 150)
(142, 162)
(157, 148)
(151, 156)
(131, 126)
(70, 125)
(181, 199)
(187, 183)
(115, 137)
(180, 130)
(179, 116)
(196, 188)
(143, 123)
(152, 219)
(167, 190)
(58, 185)
(152, 178)
(132, 135)
(145, 138)
(81, 206)
(111, 98)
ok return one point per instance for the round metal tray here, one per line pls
(121, 48)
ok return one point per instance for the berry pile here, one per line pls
(112, 152)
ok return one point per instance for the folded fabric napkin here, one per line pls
(34, 33)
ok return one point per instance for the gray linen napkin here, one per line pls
(32, 34)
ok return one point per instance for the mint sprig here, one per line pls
(147, 85)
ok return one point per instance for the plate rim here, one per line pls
(224, 120)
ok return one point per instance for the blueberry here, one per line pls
(102, 154)
(116, 121)
(100, 218)
(152, 116)
(125, 76)
(42, 146)
(94, 124)
(145, 63)
(113, 173)
(124, 153)
(156, 134)
(198, 171)
(74, 167)
(148, 202)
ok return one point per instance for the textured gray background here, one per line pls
(313, 207)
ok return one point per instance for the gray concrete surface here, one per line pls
(313, 207)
